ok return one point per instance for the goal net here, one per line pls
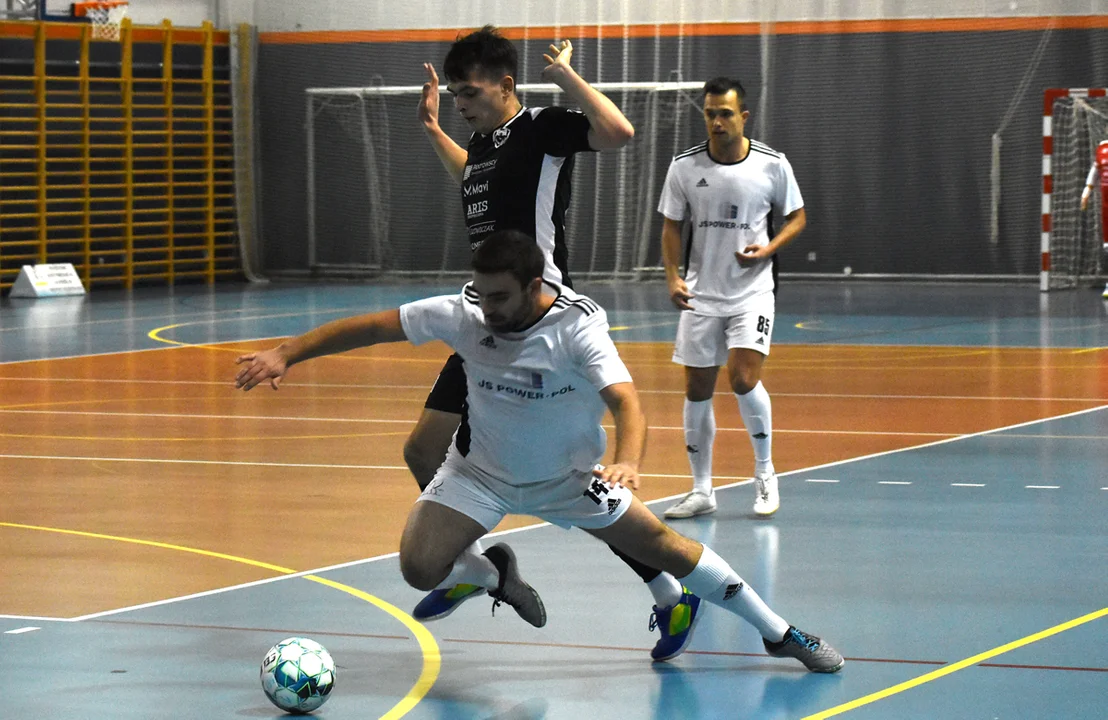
(1075, 122)
(379, 201)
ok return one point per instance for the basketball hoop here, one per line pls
(105, 16)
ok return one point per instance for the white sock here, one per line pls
(666, 590)
(758, 418)
(472, 569)
(714, 580)
(700, 435)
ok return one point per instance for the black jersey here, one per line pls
(518, 178)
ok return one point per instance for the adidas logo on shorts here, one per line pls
(613, 503)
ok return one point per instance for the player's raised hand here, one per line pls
(753, 253)
(1084, 203)
(618, 474)
(558, 60)
(261, 366)
(679, 294)
(429, 103)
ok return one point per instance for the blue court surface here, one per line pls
(962, 576)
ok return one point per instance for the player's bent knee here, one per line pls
(418, 573)
(745, 379)
(742, 386)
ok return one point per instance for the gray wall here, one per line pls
(889, 135)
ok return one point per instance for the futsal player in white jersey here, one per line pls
(514, 174)
(728, 189)
(541, 370)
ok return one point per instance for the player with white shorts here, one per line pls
(541, 370)
(706, 340)
(577, 500)
(728, 190)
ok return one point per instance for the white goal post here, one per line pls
(379, 202)
(1074, 121)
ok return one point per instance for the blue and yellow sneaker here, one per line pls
(440, 603)
(676, 625)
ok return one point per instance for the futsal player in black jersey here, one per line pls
(515, 174)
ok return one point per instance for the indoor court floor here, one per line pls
(943, 454)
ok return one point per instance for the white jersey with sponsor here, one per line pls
(533, 407)
(730, 206)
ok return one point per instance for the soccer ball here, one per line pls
(298, 675)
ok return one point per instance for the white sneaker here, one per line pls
(766, 499)
(693, 504)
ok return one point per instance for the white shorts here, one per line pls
(578, 500)
(704, 340)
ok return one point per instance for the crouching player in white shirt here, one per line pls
(541, 370)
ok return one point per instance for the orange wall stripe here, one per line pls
(823, 27)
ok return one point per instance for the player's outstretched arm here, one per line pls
(610, 129)
(623, 402)
(451, 155)
(795, 221)
(334, 337)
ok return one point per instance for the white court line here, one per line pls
(174, 461)
(920, 447)
(1042, 487)
(367, 386)
(192, 319)
(198, 314)
(818, 480)
(538, 525)
(35, 618)
(967, 484)
(893, 482)
(20, 631)
(670, 428)
(202, 416)
(267, 581)
(158, 348)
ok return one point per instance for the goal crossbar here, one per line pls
(359, 213)
(549, 88)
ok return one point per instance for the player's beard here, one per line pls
(519, 321)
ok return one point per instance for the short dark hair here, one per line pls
(722, 85)
(485, 52)
(510, 251)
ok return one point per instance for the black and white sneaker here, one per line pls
(816, 654)
(512, 590)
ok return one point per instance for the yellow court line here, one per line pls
(432, 656)
(955, 667)
(155, 335)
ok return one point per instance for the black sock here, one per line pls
(646, 572)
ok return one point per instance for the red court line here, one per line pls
(568, 646)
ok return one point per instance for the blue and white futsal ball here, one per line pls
(298, 675)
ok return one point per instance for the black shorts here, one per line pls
(449, 392)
